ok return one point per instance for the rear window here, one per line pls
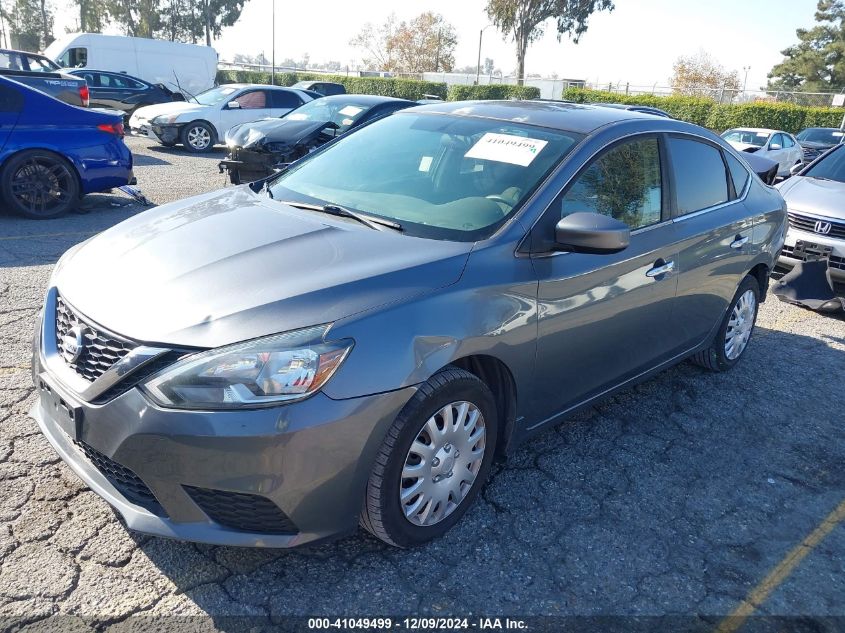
(700, 178)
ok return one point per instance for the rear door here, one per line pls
(777, 152)
(254, 105)
(715, 230)
(604, 319)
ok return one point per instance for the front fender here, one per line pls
(491, 310)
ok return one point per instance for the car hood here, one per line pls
(811, 195)
(234, 265)
(287, 131)
(171, 107)
(744, 147)
(815, 145)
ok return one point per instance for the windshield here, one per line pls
(442, 177)
(214, 95)
(746, 137)
(343, 113)
(829, 167)
(829, 136)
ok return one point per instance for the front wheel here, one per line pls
(434, 460)
(38, 184)
(197, 137)
(732, 338)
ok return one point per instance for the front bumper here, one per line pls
(274, 477)
(245, 166)
(161, 133)
(803, 245)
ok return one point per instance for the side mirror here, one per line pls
(233, 105)
(775, 146)
(796, 168)
(587, 232)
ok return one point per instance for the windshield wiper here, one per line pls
(821, 178)
(337, 210)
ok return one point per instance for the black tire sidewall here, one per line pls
(749, 283)
(12, 165)
(402, 531)
(183, 136)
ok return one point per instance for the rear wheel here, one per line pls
(731, 340)
(434, 460)
(39, 184)
(197, 137)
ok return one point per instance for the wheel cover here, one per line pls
(442, 464)
(199, 137)
(740, 324)
(42, 185)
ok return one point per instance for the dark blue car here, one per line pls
(52, 153)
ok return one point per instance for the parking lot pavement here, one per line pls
(680, 496)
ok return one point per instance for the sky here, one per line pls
(636, 43)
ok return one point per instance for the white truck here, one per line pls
(184, 68)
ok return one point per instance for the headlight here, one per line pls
(164, 119)
(258, 373)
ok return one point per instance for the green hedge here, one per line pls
(388, 87)
(492, 91)
(719, 117)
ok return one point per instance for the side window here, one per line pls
(74, 58)
(94, 80)
(739, 173)
(285, 99)
(119, 81)
(254, 100)
(624, 183)
(787, 141)
(777, 139)
(700, 178)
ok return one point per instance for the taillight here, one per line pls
(112, 128)
(85, 95)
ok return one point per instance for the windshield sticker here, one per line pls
(506, 148)
(297, 116)
(425, 163)
(763, 134)
(838, 133)
(350, 110)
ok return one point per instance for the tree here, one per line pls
(138, 18)
(817, 62)
(93, 16)
(524, 20)
(701, 74)
(425, 44)
(30, 24)
(488, 66)
(373, 40)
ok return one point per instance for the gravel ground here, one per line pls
(676, 497)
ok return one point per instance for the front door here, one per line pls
(604, 319)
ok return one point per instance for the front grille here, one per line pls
(833, 260)
(100, 350)
(126, 482)
(810, 154)
(808, 223)
(243, 512)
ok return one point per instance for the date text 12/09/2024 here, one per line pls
(416, 624)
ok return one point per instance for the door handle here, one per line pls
(657, 271)
(739, 242)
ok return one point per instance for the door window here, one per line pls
(787, 141)
(74, 58)
(119, 82)
(286, 99)
(777, 139)
(700, 176)
(254, 100)
(624, 183)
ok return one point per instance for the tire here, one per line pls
(383, 514)
(721, 356)
(40, 185)
(197, 137)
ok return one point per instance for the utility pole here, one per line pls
(273, 52)
(745, 81)
(478, 66)
(437, 55)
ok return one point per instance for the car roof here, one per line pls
(370, 100)
(570, 117)
(268, 86)
(15, 50)
(756, 129)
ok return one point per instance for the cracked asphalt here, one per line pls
(674, 498)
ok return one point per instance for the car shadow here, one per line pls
(674, 496)
(145, 160)
(215, 153)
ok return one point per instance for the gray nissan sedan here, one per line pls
(357, 338)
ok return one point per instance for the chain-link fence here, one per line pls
(725, 95)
